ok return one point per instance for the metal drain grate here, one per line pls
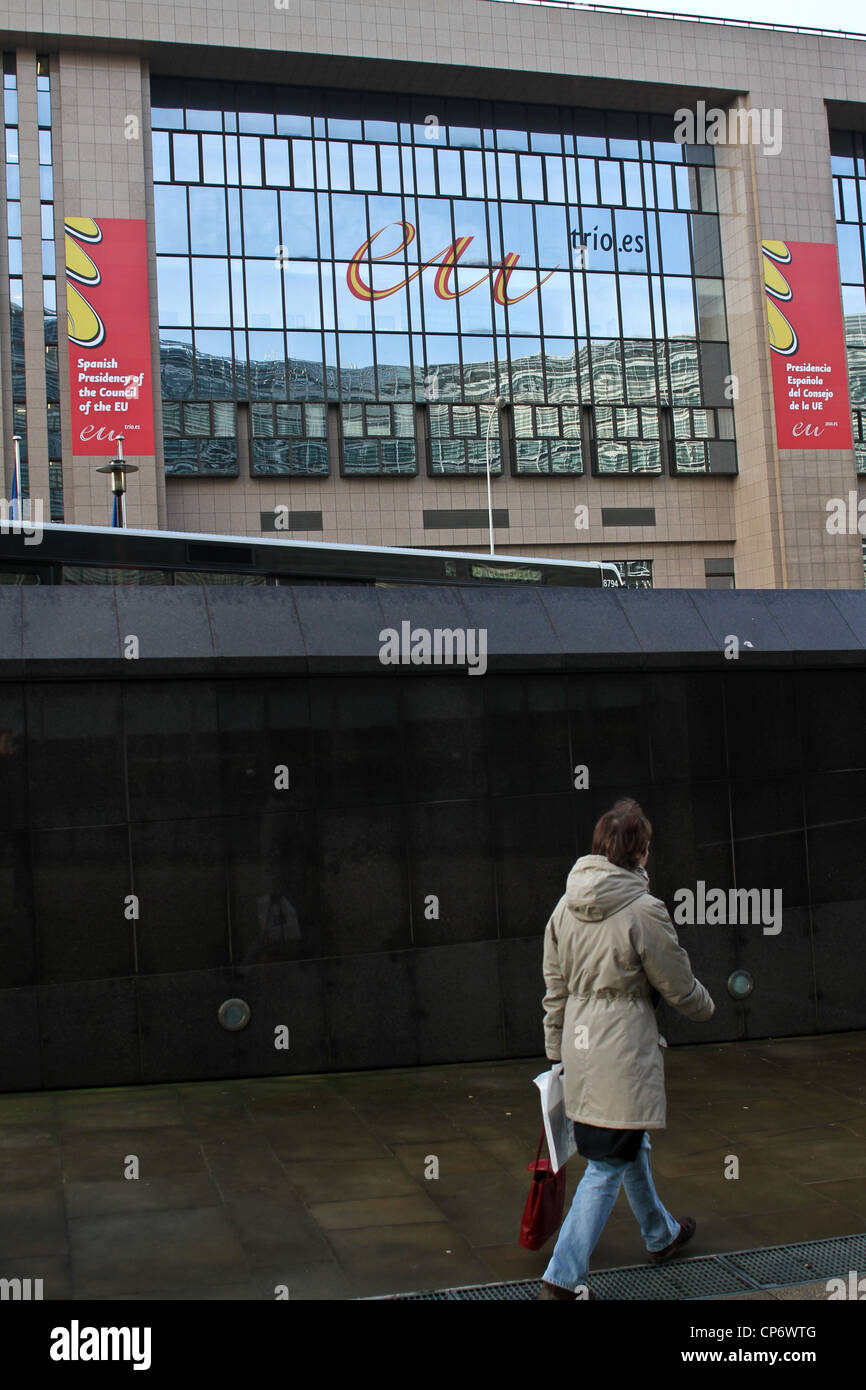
(698, 1278)
(797, 1264)
(522, 1290)
(705, 1276)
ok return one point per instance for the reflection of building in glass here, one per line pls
(15, 257)
(546, 440)
(349, 314)
(855, 339)
(635, 574)
(848, 162)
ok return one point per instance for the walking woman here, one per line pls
(610, 951)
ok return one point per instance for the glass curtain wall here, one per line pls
(849, 191)
(405, 259)
(16, 265)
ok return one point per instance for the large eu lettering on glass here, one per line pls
(109, 335)
(353, 249)
(807, 340)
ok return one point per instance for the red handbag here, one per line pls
(542, 1215)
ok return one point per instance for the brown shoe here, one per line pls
(688, 1226)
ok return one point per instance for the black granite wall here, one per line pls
(154, 776)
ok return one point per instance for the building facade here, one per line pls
(358, 253)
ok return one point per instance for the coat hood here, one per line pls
(596, 889)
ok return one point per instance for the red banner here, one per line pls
(807, 339)
(108, 319)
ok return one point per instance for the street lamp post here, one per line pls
(15, 502)
(118, 468)
(497, 406)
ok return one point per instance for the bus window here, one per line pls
(217, 577)
(108, 574)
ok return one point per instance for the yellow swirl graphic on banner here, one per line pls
(86, 328)
(783, 339)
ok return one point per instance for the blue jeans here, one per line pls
(593, 1202)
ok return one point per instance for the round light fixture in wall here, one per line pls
(740, 984)
(234, 1014)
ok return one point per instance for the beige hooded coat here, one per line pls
(606, 946)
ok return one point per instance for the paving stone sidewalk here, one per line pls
(319, 1182)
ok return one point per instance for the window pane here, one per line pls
(450, 168)
(213, 161)
(507, 170)
(448, 456)
(690, 457)
(264, 294)
(603, 311)
(685, 380)
(606, 372)
(404, 420)
(365, 172)
(207, 218)
(633, 185)
(224, 424)
(298, 213)
(560, 369)
(173, 291)
(315, 419)
(679, 307)
(398, 456)
(610, 181)
(361, 456)
(850, 256)
(631, 248)
(277, 163)
(378, 420)
(161, 167)
(287, 419)
(640, 371)
(353, 420)
(587, 174)
(635, 301)
(552, 235)
(674, 236)
(302, 163)
(261, 228)
(645, 458)
(566, 457)
(186, 165)
(627, 426)
(612, 457)
(531, 179)
(533, 455)
(196, 419)
(477, 451)
(649, 424)
(555, 181)
(301, 282)
(711, 310)
(172, 233)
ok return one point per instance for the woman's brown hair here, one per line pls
(622, 834)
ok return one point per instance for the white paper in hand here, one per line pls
(558, 1128)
